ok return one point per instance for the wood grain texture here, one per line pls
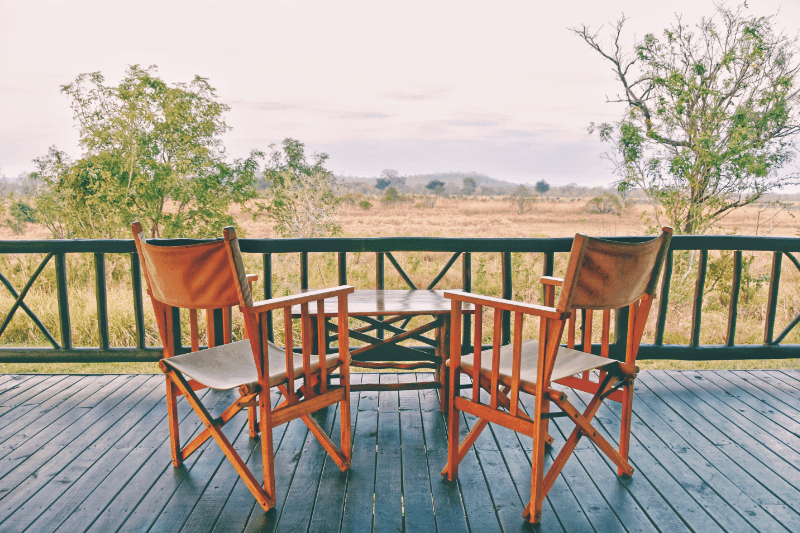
(714, 451)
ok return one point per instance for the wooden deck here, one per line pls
(714, 451)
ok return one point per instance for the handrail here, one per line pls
(403, 244)
(385, 246)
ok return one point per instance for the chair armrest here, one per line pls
(252, 277)
(295, 299)
(506, 305)
(550, 280)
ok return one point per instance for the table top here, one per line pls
(394, 302)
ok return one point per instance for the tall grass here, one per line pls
(475, 218)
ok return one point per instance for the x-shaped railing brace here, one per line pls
(19, 302)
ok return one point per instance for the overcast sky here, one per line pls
(501, 87)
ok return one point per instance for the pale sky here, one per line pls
(501, 88)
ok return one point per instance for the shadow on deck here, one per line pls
(713, 451)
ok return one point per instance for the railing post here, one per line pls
(466, 279)
(303, 270)
(663, 300)
(547, 269)
(508, 295)
(733, 305)
(267, 275)
(379, 283)
(697, 306)
(772, 303)
(138, 306)
(101, 295)
(63, 301)
(342, 263)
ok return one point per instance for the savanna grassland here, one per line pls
(480, 218)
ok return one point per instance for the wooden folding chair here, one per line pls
(211, 276)
(601, 275)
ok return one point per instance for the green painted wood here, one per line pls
(29, 312)
(508, 294)
(733, 307)
(663, 299)
(697, 304)
(138, 304)
(267, 280)
(23, 292)
(101, 295)
(772, 302)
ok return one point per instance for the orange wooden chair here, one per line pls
(211, 276)
(601, 275)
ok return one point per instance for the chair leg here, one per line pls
(451, 469)
(267, 459)
(346, 443)
(172, 415)
(252, 422)
(533, 511)
(625, 427)
(442, 373)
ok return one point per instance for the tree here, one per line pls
(382, 183)
(436, 186)
(470, 186)
(304, 202)
(152, 151)
(710, 115)
(521, 197)
(606, 203)
(542, 187)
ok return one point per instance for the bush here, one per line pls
(366, 205)
(605, 204)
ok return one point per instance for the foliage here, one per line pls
(304, 202)
(21, 214)
(470, 186)
(391, 197)
(152, 151)
(606, 203)
(542, 187)
(382, 183)
(710, 118)
(366, 205)
(522, 198)
(436, 186)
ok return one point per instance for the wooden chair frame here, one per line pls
(299, 402)
(615, 379)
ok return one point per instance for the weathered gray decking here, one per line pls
(714, 451)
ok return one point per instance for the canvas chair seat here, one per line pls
(231, 365)
(568, 362)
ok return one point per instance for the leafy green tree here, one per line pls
(304, 202)
(436, 186)
(542, 187)
(152, 151)
(710, 115)
(470, 186)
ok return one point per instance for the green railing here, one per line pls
(62, 349)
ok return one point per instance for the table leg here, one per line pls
(443, 351)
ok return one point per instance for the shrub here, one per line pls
(366, 205)
(605, 204)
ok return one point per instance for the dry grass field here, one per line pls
(448, 218)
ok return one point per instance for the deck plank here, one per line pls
(330, 495)
(713, 451)
(358, 509)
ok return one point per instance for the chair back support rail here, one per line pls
(61, 347)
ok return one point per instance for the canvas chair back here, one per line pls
(605, 274)
(195, 276)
